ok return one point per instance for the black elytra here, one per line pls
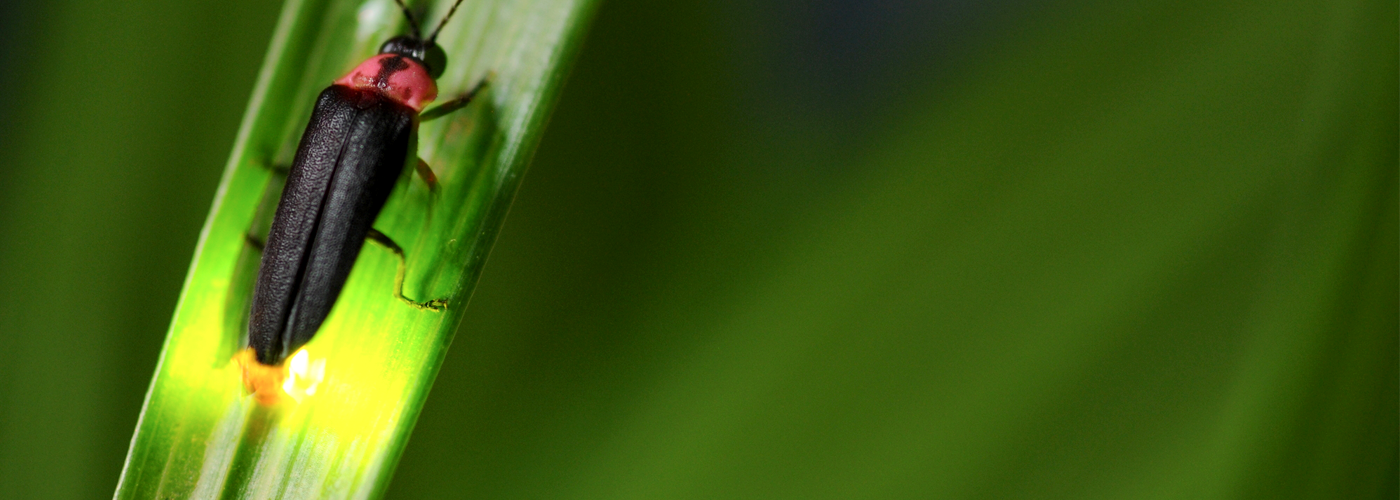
(354, 149)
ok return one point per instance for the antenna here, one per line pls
(411, 21)
(442, 23)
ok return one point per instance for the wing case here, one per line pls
(346, 166)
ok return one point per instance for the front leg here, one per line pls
(447, 107)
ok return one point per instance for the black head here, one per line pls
(427, 52)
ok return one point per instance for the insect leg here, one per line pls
(455, 104)
(254, 241)
(428, 176)
(275, 168)
(382, 239)
(250, 237)
(425, 171)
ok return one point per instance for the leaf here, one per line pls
(199, 435)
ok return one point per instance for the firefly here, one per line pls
(361, 137)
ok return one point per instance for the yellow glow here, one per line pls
(303, 375)
(259, 379)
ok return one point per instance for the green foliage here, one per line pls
(1107, 249)
(1115, 250)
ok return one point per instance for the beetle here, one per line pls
(361, 136)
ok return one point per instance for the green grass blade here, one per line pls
(199, 436)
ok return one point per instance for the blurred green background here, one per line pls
(782, 249)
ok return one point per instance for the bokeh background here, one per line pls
(784, 249)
